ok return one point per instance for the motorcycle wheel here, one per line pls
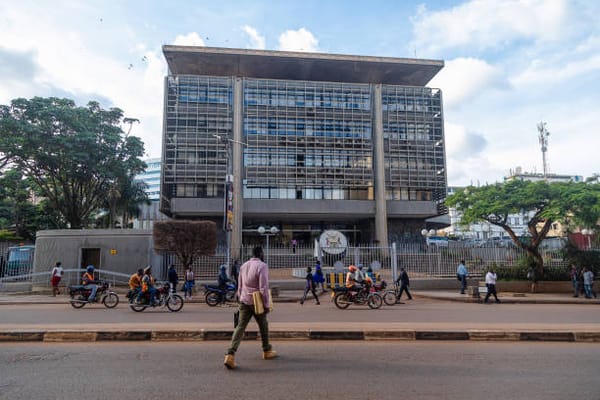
(174, 302)
(389, 298)
(374, 301)
(212, 298)
(230, 295)
(341, 301)
(77, 304)
(137, 307)
(110, 300)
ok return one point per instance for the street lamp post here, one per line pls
(228, 194)
(267, 232)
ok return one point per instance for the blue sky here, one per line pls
(509, 64)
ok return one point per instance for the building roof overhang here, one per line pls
(267, 64)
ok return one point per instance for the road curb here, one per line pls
(326, 335)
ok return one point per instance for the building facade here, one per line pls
(307, 142)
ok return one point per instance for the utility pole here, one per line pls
(543, 139)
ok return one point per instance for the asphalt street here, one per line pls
(419, 312)
(306, 370)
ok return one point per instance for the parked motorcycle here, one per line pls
(343, 297)
(164, 297)
(79, 296)
(215, 295)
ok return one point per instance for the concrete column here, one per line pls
(381, 231)
(238, 204)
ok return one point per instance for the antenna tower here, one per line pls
(543, 139)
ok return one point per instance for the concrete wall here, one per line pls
(131, 249)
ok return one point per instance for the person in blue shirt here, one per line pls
(318, 277)
(310, 286)
(461, 274)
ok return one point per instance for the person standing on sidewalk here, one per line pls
(575, 280)
(189, 283)
(490, 282)
(253, 277)
(173, 278)
(310, 286)
(56, 276)
(588, 281)
(461, 274)
(404, 283)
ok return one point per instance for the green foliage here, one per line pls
(519, 272)
(6, 235)
(545, 203)
(582, 258)
(72, 155)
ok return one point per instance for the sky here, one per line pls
(509, 64)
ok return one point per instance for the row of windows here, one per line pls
(342, 159)
(408, 194)
(285, 127)
(308, 193)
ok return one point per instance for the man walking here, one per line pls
(253, 277)
(461, 274)
(404, 284)
(490, 282)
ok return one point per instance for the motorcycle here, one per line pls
(164, 297)
(79, 296)
(215, 295)
(343, 297)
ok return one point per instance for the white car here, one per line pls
(439, 241)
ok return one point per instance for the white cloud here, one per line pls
(256, 41)
(483, 25)
(464, 78)
(191, 39)
(299, 40)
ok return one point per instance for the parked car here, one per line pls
(438, 241)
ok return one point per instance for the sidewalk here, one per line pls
(286, 296)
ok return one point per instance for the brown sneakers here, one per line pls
(269, 355)
(229, 361)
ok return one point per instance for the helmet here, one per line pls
(352, 268)
(90, 268)
(223, 267)
(147, 269)
(360, 266)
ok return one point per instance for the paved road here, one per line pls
(315, 370)
(417, 313)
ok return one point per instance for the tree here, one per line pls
(569, 203)
(73, 155)
(187, 239)
(17, 212)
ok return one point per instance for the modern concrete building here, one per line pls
(311, 141)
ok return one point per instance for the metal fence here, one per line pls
(416, 258)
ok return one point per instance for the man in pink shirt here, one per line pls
(253, 276)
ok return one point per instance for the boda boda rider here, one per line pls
(223, 279)
(148, 286)
(135, 283)
(352, 282)
(89, 283)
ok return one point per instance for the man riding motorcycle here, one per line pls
(89, 283)
(148, 286)
(354, 279)
(223, 279)
(135, 283)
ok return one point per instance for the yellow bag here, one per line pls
(259, 305)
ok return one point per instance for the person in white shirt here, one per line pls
(55, 277)
(490, 282)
